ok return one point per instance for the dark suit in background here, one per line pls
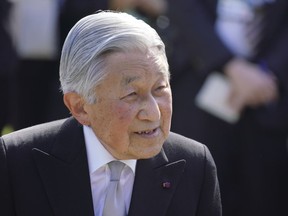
(251, 155)
(44, 171)
(8, 62)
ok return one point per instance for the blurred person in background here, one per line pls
(241, 47)
(8, 62)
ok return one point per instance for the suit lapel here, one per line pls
(155, 182)
(65, 172)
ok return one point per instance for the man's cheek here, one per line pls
(125, 112)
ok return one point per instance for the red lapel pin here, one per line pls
(166, 185)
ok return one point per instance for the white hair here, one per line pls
(92, 39)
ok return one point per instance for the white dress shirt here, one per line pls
(231, 24)
(98, 157)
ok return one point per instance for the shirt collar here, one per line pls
(96, 153)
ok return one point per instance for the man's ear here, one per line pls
(75, 103)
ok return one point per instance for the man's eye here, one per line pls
(130, 95)
(162, 87)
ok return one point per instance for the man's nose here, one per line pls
(150, 109)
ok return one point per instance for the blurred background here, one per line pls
(229, 77)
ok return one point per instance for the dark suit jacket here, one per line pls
(44, 171)
(7, 52)
(8, 62)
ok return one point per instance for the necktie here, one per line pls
(114, 201)
(254, 27)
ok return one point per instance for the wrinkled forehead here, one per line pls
(148, 57)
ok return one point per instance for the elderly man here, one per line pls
(115, 79)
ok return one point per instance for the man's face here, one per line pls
(132, 115)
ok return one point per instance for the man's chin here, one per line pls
(150, 154)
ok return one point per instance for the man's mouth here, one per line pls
(147, 132)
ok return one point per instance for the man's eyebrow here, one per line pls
(128, 79)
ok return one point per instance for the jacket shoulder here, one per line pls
(179, 147)
(32, 137)
(183, 145)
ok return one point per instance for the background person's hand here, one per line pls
(251, 85)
